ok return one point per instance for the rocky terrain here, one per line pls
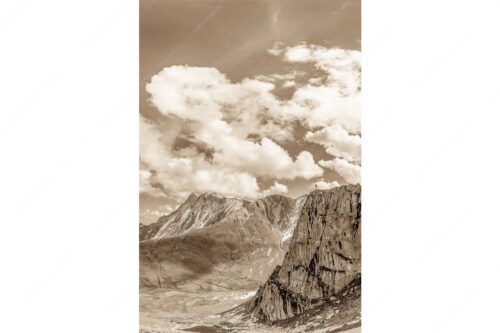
(279, 264)
(324, 257)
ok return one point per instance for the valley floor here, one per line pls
(164, 310)
(192, 309)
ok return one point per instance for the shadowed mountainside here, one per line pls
(210, 233)
(230, 246)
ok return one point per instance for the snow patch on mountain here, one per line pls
(294, 217)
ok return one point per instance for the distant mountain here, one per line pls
(199, 211)
(210, 234)
(196, 212)
(321, 272)
(242, 248)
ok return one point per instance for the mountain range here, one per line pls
(206, 209)
(303, 256)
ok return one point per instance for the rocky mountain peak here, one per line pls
(191, 198)
(324, 256)
(203, 209)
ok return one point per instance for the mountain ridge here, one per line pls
(299, 258)
(200, 210)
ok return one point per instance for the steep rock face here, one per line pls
(339, 313)
(324, 256)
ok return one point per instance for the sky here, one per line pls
(247, 99)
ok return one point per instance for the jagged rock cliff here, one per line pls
(323, 258)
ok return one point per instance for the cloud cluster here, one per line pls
(324, 185)
(238, 123)
(205, 96)
(187, 170)
(222, 136)
(276, 188)
(331, 105)
(333, 98)
(338, 142)
(349, 171)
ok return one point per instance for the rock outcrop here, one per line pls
(324, 256)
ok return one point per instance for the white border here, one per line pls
(68, 174)
(430, 166)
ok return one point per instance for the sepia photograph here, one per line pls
(204, 166)
(250, 166)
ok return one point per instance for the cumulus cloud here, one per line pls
(324, 185)
(264, 158)
(185, 174)
(202, 94)
(232, 119)
(276, 188)
(330, 105)
(338, 142)
(145, 185)
(232, 169)
(333, 98)
(235, 134)
(349, 171)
